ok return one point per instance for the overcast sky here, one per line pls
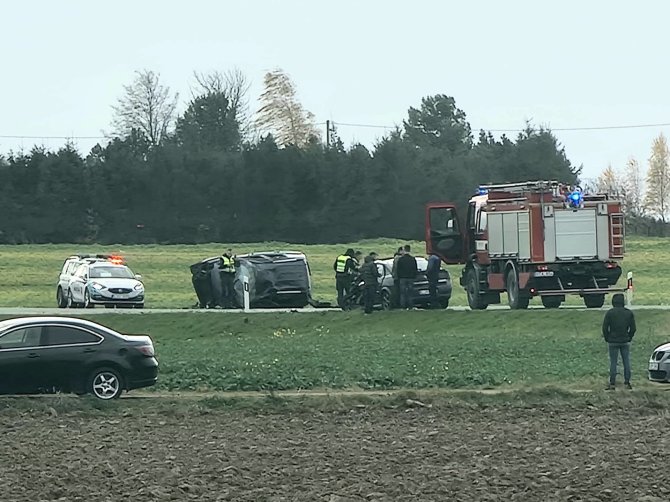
(567, 64)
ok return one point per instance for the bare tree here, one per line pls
(633, 188)
(234, 85)
(147, 106)
(609, 182)
(281, 114)
(657, 198)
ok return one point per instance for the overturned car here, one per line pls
(276, 279)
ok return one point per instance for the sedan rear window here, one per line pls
(64, 335)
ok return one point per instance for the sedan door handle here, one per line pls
(88, 351)
(33, 355)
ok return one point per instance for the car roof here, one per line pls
(17, 321)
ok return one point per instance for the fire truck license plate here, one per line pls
(544, 274)
(653, 366)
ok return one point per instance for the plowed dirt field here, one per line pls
(440, 453)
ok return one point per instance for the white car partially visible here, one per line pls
(105, 283)
(659, 364)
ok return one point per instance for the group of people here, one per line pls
(348, 268)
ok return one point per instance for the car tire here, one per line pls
(71, 304)
(594, 301)
(386, 299)
(475, 300)
(551, 302)
(444, 303)
(515, 297)
(61, 299)
(105, 384)
(87, 301)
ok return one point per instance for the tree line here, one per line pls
(645, 196)
(216, 174)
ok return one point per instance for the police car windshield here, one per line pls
(114, 272)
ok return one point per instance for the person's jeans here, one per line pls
(406, 290)
(614, 349)
(369, 294)
(432, 290)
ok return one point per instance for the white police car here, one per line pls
(104, 282)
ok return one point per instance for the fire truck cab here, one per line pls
(529, 239)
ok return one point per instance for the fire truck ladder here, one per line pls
(617, 235)
(523, 187)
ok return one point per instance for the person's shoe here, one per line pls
(628, 386)
(610, 387)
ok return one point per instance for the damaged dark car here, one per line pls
(276, 279)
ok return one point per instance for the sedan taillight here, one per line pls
(147, 350)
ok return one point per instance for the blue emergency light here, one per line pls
(576, 199)
(483, 191)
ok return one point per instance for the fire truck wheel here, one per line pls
(472, 289)
(551, 302)
(594, 301)
(515, 297)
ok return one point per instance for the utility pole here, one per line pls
(331, 135)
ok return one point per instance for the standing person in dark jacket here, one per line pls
(395, 300)
(618, 331)
(433, 276)
(406, 269)
(344, 267)
(370, 276)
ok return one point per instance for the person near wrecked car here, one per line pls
(618, 330)
(433, 276)
(370, 276)
(344, 267)
(227, 268)
(395, 299)
(358, 260)
(407, 270)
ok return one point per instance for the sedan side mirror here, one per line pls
(138, 277)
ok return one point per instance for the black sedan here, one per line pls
(64, 354)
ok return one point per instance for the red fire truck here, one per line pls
(536, 238)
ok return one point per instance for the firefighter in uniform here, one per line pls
(228, 279)
(344, 267)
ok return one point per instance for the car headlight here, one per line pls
(97, 286)
(138, 287)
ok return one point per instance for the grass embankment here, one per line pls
(409, 350)
(29, 273)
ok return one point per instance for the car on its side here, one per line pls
(105, 283)
(659, 364)
(65, 354)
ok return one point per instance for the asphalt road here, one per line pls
(56, 311)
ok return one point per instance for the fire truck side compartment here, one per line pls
(509, 234)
